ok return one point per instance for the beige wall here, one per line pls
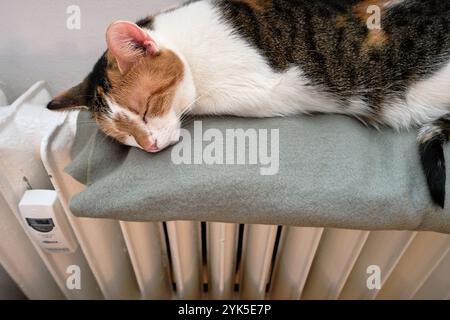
(35, 43)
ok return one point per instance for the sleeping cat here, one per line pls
(265, 58)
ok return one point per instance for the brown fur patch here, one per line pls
(112, 70)
(149, 87)
(123, 123)
(341, 21)
(100, 91)
(256, 5)
(376, 37)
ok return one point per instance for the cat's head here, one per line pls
(137, 91)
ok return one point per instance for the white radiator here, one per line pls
(191, 260)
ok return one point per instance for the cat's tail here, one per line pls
(432, 138)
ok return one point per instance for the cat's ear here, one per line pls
(74, 98)
(127, 42)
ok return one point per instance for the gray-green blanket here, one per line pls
(320, 171)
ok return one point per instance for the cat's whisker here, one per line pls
(189, 106)
(185, 116)
(187, 123)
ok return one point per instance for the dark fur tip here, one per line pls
(433, 163)
(61, 104)
(53, 105)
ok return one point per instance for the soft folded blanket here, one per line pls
(332, 172)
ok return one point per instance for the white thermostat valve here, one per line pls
(46, 221)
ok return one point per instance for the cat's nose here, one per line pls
(151, 146)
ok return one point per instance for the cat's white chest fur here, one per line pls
(424, 102)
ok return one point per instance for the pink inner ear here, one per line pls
(127, 42)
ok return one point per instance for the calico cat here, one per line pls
(265, 58)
